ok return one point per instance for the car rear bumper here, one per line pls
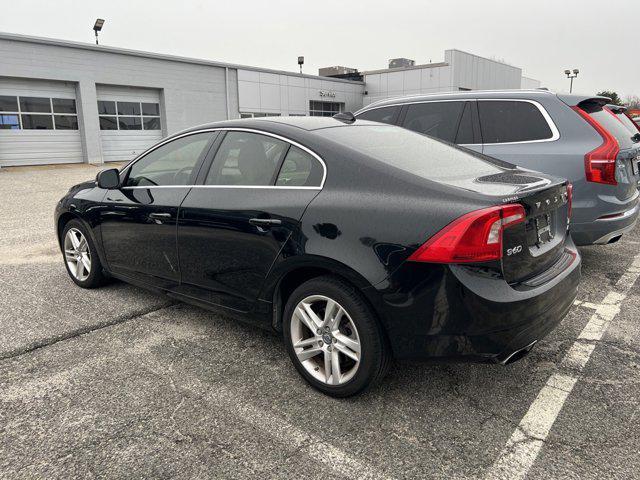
(606, 228)
(454, 313)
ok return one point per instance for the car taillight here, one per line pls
(569, 200)
(600, 163)
(474, 237)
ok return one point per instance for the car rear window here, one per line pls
(411, 152)
(507, 121)
(609, 120)
(627, 122)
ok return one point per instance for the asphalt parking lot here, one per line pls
(121, 383)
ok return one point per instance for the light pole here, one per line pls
(97, 27)
(571, 75)
(300, 62)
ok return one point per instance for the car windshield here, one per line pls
(412, 152)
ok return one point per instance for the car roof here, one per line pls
(277, 124)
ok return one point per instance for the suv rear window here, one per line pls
(627, 122)
(609, 120)
(505, 121)
(382, 114)
(411, 152)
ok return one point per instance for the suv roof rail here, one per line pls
(465, 92)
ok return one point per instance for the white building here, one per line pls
(459, 71)
(70, 102)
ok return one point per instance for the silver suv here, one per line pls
(572, 136)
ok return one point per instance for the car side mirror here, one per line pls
(108, 179)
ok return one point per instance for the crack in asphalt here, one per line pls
(47, 342)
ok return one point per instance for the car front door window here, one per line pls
(170, 164)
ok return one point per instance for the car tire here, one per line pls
(355, 328)
(82, 252)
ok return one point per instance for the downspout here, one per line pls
(226, 90)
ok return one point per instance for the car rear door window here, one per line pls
(465, 128)
(245, 158)
(507, 121)
(299, 169)
(382, 115)
(170, 164)
(436, 119)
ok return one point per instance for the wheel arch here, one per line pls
(288, 277)
(65, 217)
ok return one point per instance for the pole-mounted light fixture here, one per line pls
(300, 62)
(97, 27)
(571, 75)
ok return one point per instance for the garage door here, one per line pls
(38, 123)
(129, 121)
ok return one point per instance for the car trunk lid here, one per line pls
(533, 246)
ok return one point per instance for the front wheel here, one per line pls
(80, 256)
(333, 338)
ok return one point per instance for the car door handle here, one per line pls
(160, 215)
(264, 222)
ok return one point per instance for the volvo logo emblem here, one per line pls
(326, 338)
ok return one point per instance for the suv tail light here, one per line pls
(569, 200)
(600, 163)
(474, 237)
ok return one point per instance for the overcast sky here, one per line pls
(542, 37)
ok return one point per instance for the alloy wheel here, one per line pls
(77, 254)
(325, 340)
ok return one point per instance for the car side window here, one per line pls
(246, 158)
(299, 169)
(171, 164)
(465, 129)
(383, 115)
(436, 119)
(503, 121)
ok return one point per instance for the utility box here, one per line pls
(401, 63)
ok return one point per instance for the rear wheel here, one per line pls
(333, 338)
(80, 256)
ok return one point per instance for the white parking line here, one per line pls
(524, 445)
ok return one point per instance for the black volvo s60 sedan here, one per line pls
(360, 242)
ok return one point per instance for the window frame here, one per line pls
(314, 112)
(259, 114)
(207, 162)
(555, 133)
(202, 159)
(476, 118)
(51, 113)
(142, 116)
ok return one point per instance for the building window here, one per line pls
(129, 115)
(324, 109)
(37, 113)
(257, 114)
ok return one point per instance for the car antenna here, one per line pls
(346, 117)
